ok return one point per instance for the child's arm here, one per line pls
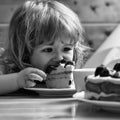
(8, 83)
(15, 81)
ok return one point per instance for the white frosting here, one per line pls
(69, 68)
(98, 79)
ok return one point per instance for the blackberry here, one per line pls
(105, 73)
(116, 67)
(102, 71)
(99, 70)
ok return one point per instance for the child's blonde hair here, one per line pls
(39, 21)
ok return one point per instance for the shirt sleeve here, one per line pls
(6, 64)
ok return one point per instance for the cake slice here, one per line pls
(104, 84)
(60, 76)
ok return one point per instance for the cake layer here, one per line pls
(106, 87)
(63, 75)
(102, 96)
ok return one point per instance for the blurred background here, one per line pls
(99, 18)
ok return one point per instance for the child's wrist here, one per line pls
(18, 81)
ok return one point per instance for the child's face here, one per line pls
(47, 54)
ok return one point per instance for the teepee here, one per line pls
(108, 53)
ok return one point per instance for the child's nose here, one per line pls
(58, 56)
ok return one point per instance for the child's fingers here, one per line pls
(33, 76)
(30, 83)
(39, 72)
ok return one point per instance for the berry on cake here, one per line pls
(104, 84)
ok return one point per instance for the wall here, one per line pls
(99, 18)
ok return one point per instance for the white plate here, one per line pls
(106, 105)
(46, 92)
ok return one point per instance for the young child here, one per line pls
(41, 32)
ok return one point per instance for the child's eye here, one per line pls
(47, 50)
(67, 49)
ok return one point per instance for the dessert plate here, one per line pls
(47, 92)
(105, 105)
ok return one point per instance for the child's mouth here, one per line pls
(51, 66)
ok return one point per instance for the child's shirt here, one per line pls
(6, 64)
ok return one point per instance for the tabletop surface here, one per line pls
(33, 107)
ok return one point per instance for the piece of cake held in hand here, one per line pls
(104, 84)
(60, 75)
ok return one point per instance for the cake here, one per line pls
(61, 75)
(104, 84)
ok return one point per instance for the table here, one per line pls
(13, 107)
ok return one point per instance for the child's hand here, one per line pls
(27, 76)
